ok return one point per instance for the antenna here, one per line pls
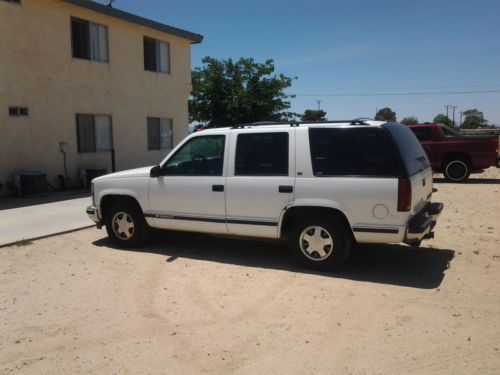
(110, 3)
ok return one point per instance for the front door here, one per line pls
(190, 193)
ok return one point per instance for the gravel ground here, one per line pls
(197, 304)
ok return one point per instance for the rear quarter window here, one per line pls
(423, 133)
(350, 152)
(410, 149)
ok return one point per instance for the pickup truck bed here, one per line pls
(456, 155)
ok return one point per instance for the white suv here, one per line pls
(321, 186)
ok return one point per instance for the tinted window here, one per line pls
(200, 156)
(350, 152)
(262, 154)
(409, 148)
(422, 133)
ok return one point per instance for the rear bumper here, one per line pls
(421, 225)
(93, 214)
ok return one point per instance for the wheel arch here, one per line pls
(296, 212)
(109, 199)
(457, 155)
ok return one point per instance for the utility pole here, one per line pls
(319, 104)
(447, 106)
(461, 114)
(453, 107)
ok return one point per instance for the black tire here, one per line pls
(326, 257)
(131, 235)
(456, 169)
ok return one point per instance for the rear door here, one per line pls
(416, 164)
(260, 180)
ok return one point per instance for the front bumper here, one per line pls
(421, 225)
(94, 215)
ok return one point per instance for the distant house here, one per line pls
(79, 78)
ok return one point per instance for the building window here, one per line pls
(156, 55)
(262, 154)
(94, 133)
(18, 111)
(89, 40)
(160, 133)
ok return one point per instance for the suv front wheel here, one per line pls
(126, 225)
(320, 243)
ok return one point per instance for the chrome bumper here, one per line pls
(421, 225)
(94, 215)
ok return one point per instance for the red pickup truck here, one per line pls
(456, 155)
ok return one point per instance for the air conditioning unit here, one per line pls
(30, 184)
(88, 174)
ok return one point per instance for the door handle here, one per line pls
(285, 189)
(217, 187)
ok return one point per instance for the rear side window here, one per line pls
(262, 154)
(423, 133)
(350, 152)
(409, 148)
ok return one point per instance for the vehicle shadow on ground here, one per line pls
(7, 203)
(387, 264)
(470, 181)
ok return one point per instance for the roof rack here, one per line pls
(357, 121)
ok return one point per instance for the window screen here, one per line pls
(94, 133)
(160, 133)
(89, 40)
(156, 55)
(350, 152)
(262, 154)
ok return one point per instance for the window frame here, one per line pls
(159, 119)
(95, 141)
(286, 159)
(163, 166)
(157, 55)
(89, 40)
(387, 147)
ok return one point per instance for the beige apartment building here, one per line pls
(79, 79)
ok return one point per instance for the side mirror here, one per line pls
(155, 171)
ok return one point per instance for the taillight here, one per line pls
(404, 195)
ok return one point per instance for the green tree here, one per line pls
(411, 120)
(473, 119)
(313, 115)
(443, 119)
(385, 114)
(226, 93)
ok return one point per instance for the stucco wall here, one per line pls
(37, 71)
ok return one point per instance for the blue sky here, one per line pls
(347, 53)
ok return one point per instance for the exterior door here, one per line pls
(260, 181)
(190, 193)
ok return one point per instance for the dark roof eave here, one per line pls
(120, 14)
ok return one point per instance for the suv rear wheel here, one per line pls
(456, 169)
(320, 243)
(126, 225)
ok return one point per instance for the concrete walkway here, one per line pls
(31, 220)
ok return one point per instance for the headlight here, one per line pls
(92, 193)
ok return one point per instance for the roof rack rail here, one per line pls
(293, 123)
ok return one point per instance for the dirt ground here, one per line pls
(197, 304)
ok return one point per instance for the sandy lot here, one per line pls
(196, 304)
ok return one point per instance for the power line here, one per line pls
(407, 93)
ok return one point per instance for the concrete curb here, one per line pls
(47, 235)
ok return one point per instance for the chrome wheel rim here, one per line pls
(456, 170)
(123, 225)
(316, 243)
